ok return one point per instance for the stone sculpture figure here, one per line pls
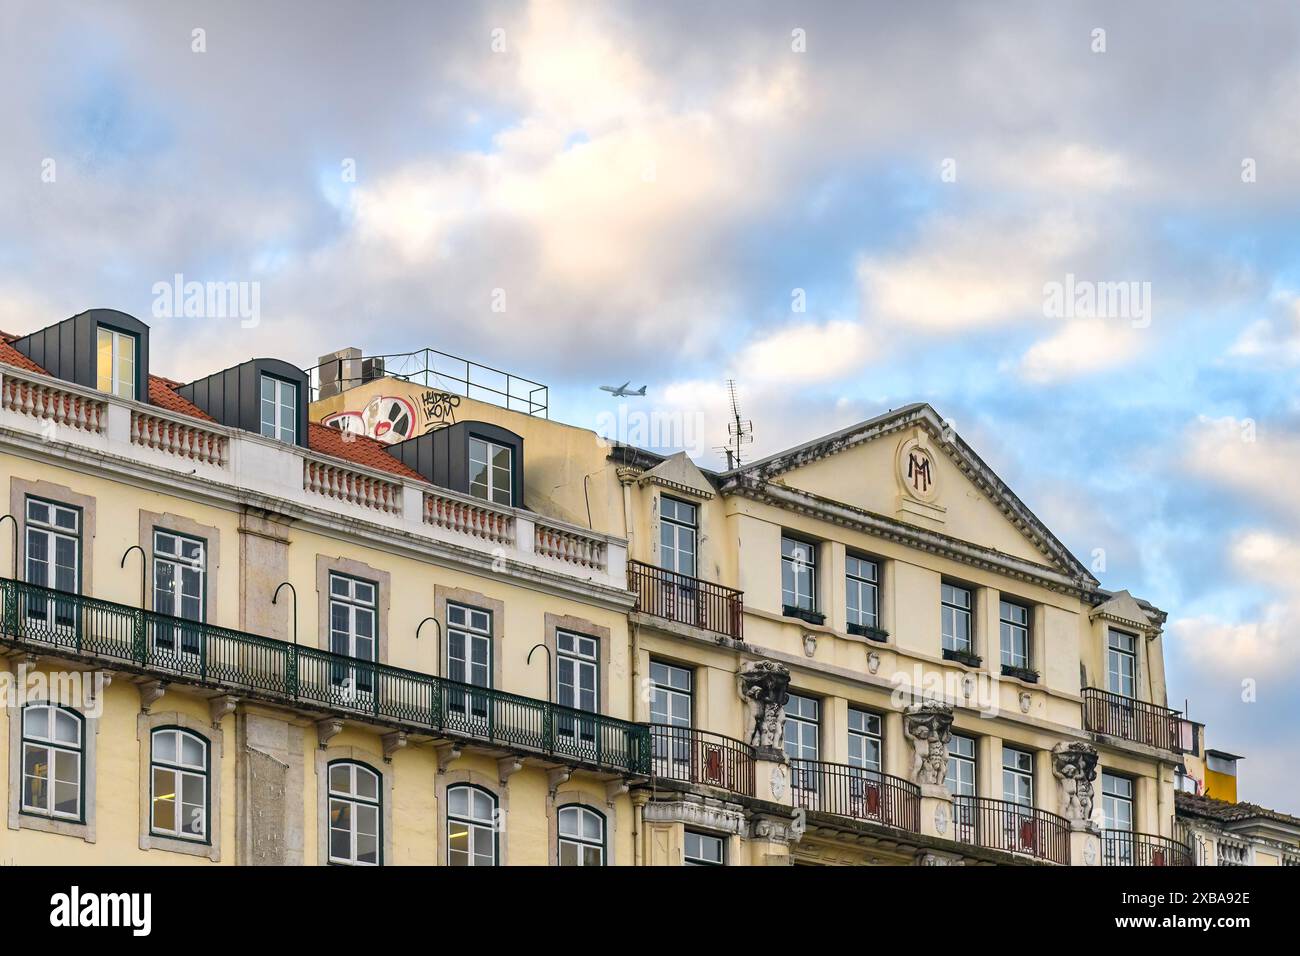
(765, 688)
(1075, 766)
(929, 727)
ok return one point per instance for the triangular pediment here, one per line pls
(910, 467)
(1123, 609)
(679, 473)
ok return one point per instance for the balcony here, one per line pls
(686, 600)
(61, 419)
(856, 793)
(1012, 828)
(1125, 718)
(692, 756)
(169, 648)
(1126, 848)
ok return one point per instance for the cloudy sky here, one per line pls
(843, 207)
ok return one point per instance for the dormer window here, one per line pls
(115, 362)
(490, 467)
(279, 409)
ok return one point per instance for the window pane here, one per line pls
(164, 799)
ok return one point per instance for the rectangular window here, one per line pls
(1017, 777)
(179, 590)
(956, 616)
(798, 574)
(801, 737)
(671, 692)
(115, 362)
(961, 766)
(1121, 664)
(865, 748)
(352, 609)
(279, 409)
(490, 471)
(1015, 634)
(469, 659)
(53, 536)
(578, 684)
(1117, 801)
(701, 849)
(677, 533)
(860, 583)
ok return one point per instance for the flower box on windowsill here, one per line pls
(963, 657)
(1026, 674)
(869, 632)
(803, 614)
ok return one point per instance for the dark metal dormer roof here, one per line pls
(442, 456)
(234, 396)
(68, 349)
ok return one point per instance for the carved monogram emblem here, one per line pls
(918, 470)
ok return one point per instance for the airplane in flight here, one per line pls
(623, 390)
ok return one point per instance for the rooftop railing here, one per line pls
(176, 649)
(687, 600)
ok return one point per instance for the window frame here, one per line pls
(491, 448)
(1109, 799)
(679, 529)
(799, 568)
(948, 641)
(277, 402)
(1007, 632)
(855, 584)
(1113, 654)
(699, 860)
(352, 605)
(50, 744)
(116, 336)
(52, 533)
(1018, 774)
(865, 736)
(471, 823)
(353, 799)
(580, 842)
(179, 769)
(958, 760)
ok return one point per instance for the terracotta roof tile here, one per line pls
(1201, 806)
(358, 449)
(11, 356)
(162, 392)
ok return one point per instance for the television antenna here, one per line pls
(740, 431)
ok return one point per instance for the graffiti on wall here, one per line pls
(393, 418)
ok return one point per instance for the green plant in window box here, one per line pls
(962, 657)
(869, 632)
(803, 613)
(1027, 674)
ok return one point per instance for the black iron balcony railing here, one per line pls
(1003, 825)
(176, 649)
(1136, 720)
(686, 600)
(855, 792)
(1126, 848)
(695, 756)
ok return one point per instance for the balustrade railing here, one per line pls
(1012, 827)
(857, 793)
(687, 600)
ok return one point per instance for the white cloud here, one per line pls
(1274, 340)
(1083, 347)
(808, 352)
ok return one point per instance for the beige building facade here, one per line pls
(399, 625)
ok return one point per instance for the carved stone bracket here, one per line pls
(150, 691)
(1075, 767)
(929, 727)
(777, 829)
(765, 688)
(557, 776)
(327, 729)
(99, 684)
(615, 789)
(392, 743)
(220, 707)
(447, 754)
(507, 767)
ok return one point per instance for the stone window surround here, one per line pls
(442, 595)
(451, 778)
(211, 537)
(89, 746)
(20, 489)
(371, 761)
(145, 725)
(692, 813)
(554, 623)
(578, 798)
(382, 581)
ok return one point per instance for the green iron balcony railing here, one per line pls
(177, 649)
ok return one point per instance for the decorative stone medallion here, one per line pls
(918, 470)
(1090, 853)
(778, 782)
(941, 819)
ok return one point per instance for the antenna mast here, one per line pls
(739, 431)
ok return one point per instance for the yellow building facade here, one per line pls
(402, 626)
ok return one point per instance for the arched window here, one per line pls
(53, 758)
(471, 827)
(582, 837)
(178, 770)
(355, 814)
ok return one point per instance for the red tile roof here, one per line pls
(357, 449)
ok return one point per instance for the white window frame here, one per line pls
(490, 487)
(1115, 658)
(678, 536)
(472, 823)
(694, 847)
(1015, 634)
(952, 612)
(353, 799)
(858, 585)
(180, 770)
(866, 733)
(120, 386)
(579, 841)
(579, 654)
(472, 626)
(802, 564)
(803, 736)
(1017, 778)
(45, 740)
(172, 556)
(279, 429)
(1116, 794)
(347, 594)
(51, 532)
